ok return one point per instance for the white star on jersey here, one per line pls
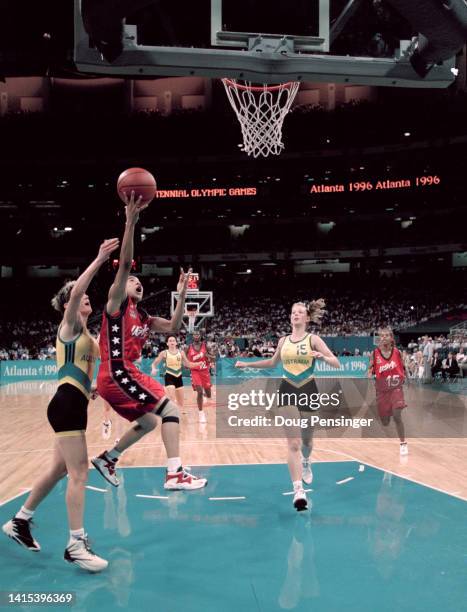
(118, 372)
(125, 380)
(142, 396)
(115, 328)
(132, 389)
(116, 340)
(116, 353)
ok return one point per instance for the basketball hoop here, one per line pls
(261, 111)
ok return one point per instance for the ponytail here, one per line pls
(314, 309)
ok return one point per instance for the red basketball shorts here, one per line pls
(388, 401)
(201, 378)
(130, 392)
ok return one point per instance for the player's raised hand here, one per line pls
(133, 207)
(107, 247)
(183, 280)
(241, 364)
(316, 355)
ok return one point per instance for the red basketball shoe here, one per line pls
(182, 479)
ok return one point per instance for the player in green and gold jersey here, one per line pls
(298, 353)
(174, 360)
(77, 352)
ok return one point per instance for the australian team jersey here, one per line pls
(173, 363)
(76, 360)
(297, 361)
(124, 333)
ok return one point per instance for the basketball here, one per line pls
(138, 180)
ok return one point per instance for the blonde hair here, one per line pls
(62, 297)
(315, 309)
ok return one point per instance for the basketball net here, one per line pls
(261, 112)
(191, 321)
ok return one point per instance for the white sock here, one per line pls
(173, 463)
(24, 514)
(75, 534)
(297, 484)
(113, 454)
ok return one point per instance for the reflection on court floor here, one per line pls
(372, 541)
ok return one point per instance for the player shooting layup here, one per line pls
(132, 394)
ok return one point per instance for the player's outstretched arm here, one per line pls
(70, 317)
(173, 325)
(322, 351)
(264, 363)
(162, 355)
(117, 292)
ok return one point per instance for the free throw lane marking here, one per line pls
(345, 480)
(152, 496)
(226, 498)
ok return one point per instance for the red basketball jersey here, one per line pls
(200, 356)
(389, 372)
(124, 333)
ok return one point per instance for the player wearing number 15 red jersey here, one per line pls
(387, 367)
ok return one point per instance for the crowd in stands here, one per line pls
(350, 124)
(441, 357)
(249, 321)
(252, 329)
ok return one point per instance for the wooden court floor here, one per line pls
(27, 440)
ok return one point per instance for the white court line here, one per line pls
(91, 488)
(339, 482)
(306, 490)
(152, 496)
(225, 498)
(15, 497)
(201, 465)
(228, 441)
(423, 484)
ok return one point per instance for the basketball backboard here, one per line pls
(198, 303)
(235, 22)
(259, 56)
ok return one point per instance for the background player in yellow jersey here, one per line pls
(298, 353)
(174, 359)
(77, 352)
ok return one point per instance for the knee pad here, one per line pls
(172, 419)
(170, 412)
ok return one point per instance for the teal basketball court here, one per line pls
(372, 541)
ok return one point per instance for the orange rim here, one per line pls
(265, 87)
